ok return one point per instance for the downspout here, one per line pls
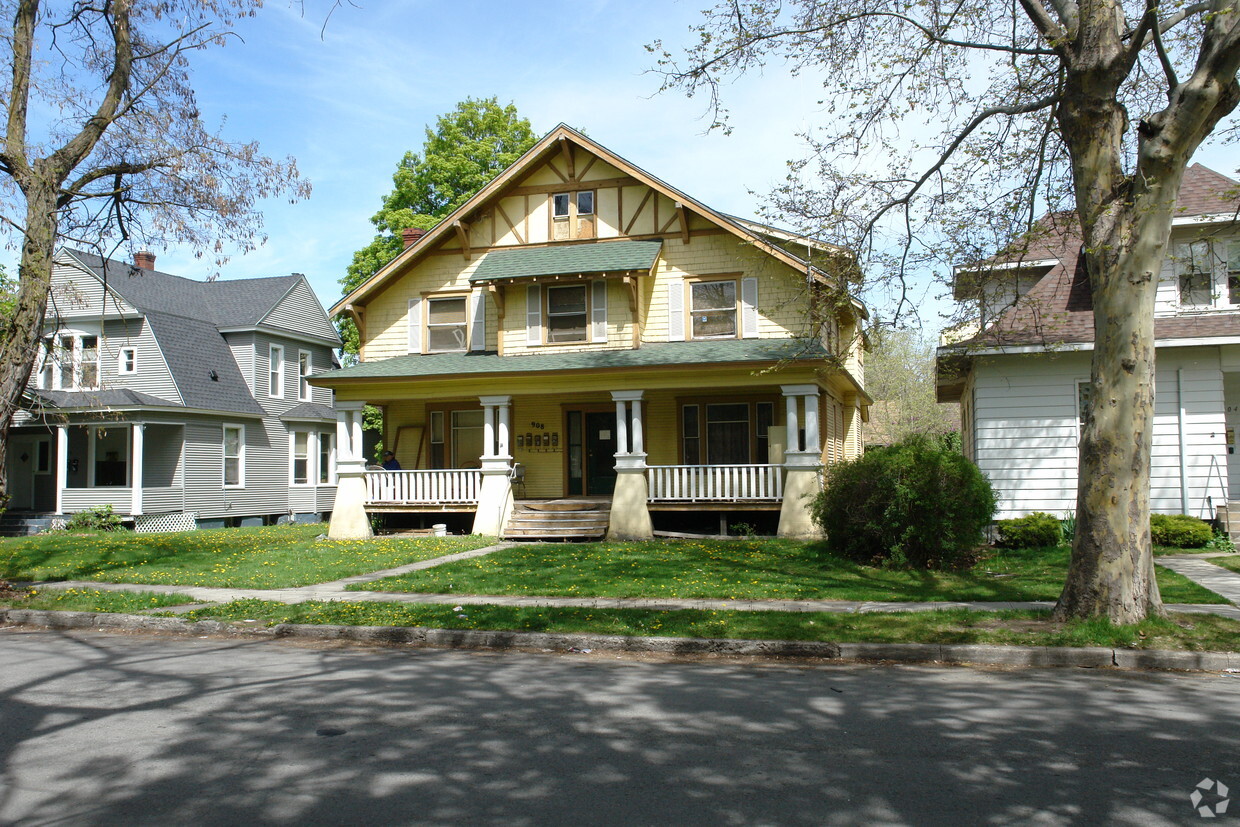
(1179, 393)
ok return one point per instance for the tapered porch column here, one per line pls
(62, 466)
(135, 474)
(495, 493)
(630, 511)
(802, 462)
(349, 520)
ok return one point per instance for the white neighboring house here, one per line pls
(1021, 381)
(177, 402)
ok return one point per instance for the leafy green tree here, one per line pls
(467, 148)
(899, 374)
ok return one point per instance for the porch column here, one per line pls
(802, 463)
(135, 474)
(62, 466)
(630, 511)
(495, 493)
(349, 520)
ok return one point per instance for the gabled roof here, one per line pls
(1059, 309)
(549, 144)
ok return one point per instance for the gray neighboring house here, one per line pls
(181, 403)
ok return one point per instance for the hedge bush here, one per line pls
(1031, 531)
(1179, 531)
(99, 518)
(914, 504)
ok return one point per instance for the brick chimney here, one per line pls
(411, 236)
(144, 259)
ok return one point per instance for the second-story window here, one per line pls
(275, 372)
(304, 368)
(69, 361)
(572, 215)
(713, 309)
(1194, 268)
(1233, 272)
(445, 324)
(127, 360)
(567, 315)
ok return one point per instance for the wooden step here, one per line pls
(558, 520)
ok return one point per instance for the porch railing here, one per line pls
(715, 483)
(438, 487)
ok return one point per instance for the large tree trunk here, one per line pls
(23, 329)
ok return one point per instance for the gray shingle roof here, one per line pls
(308, 410)
(195, 350)
(112, 399)
(574, 259)
(652, 355)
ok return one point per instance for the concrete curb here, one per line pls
(956, 654)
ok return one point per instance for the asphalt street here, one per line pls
(99, 728)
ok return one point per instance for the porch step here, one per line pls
(558, 520)
(1228, 516)
(19, 524)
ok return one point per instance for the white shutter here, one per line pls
(676, 311)
(749, 308)
(478, 336)
(598, 313)
(415, 325)
(533, 315)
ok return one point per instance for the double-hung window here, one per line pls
(305, 367)
(725, 432)
(567, 314)
(275, 372)
(327, 468)
(1233, 272)
(69, 361)
(713, 309)
(234, 456)
(300, 472)
(1196, 280)
(446, 330)
(127, 360)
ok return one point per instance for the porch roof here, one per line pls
(571, 259)
(661, 354)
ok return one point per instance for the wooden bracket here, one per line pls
(632, 283)
(683, 215)
(462, 235)
(566, 149)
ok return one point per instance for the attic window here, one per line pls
(572, 215)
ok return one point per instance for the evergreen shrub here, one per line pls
(1179, 531)
(914, 504)
(1031, 531)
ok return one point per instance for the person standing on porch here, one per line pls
(390, 462)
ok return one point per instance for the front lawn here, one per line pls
(763, 568)
(1232, 562)
(257, 558)
(1188, 632)
(90, 600)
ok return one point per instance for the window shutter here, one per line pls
(533, 315)
(478, 336)
(676, 311)
(598, 314)
(749, 308)
(415, 325)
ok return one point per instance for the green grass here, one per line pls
(1188, 632)
(1231, 563)
(763, 568)
(260, 558)
(92, 600)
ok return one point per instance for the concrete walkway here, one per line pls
(1194, 567)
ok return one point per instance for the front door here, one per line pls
(29, 459)
(600, 454)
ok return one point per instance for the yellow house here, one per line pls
(582, 341)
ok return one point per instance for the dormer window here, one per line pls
(68, 360)
(445, 324)
(713, 309)
(566, 314)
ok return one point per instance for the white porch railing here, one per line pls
(715, 483)
(453, 486)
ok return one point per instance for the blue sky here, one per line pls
(348, 99)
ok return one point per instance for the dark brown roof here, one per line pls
(1059, 308)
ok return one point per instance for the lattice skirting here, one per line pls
(164, 523)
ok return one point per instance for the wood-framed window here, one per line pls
(68, 360)
(234, 456)
(725, 431)
(456, 437)
(300, 451)
(1233, 272)
(275, 372)
(109, 455)
(572, 215)
(305, 368)
(1194, 268)
(447, 319)
(327, 458)
(568, 313)
(127, 360)
(714, 308)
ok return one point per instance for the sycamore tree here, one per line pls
(467, 148)
(944, 121)
(104, 146)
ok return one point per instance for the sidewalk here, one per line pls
(1194, 567)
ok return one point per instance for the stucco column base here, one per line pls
(630, 516)
(494, 500)
(800, 488)
(349, 520)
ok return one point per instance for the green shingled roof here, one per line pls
(652, 355)
(567, 259)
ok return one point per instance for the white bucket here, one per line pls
(440, 529)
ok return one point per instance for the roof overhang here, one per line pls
(586, 259)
